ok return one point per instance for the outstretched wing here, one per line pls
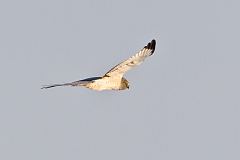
(133, 61)
(82, 82)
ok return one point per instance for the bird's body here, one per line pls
(113, 79)
(108, 83)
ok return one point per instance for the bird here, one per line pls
(113, 79)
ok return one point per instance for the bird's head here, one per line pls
(124, 84)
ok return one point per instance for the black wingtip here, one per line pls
(50, 86)
(151, 45)
(55, 85)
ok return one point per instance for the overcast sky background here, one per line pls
(183, 102)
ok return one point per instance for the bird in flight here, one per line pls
(113, 79)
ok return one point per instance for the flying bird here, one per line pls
(113, 79)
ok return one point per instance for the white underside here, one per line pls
(105, 84)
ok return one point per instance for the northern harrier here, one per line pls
(113, 79)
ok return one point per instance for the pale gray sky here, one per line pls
(183, 102)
